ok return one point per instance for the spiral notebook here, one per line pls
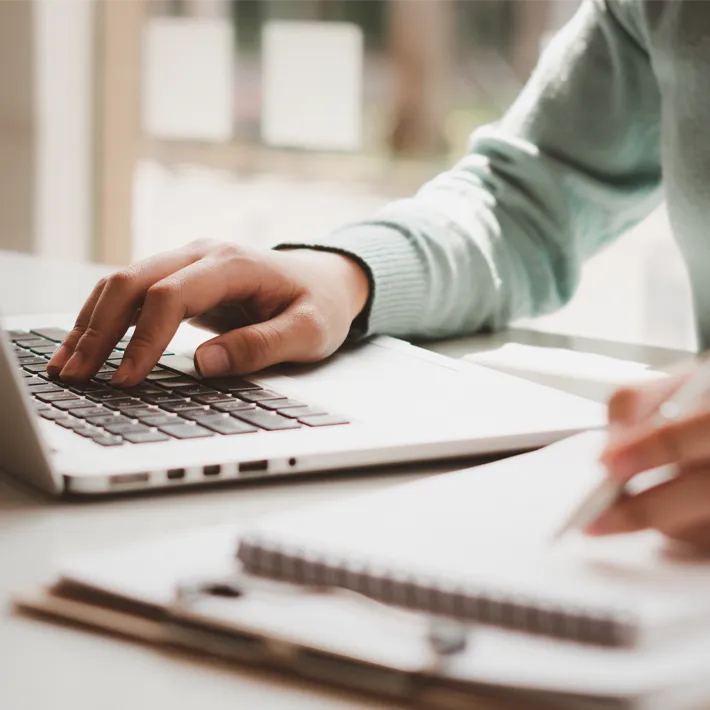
(344, 641)
(476, 545)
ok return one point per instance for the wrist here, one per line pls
(353, 276)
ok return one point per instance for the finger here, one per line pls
(190, 291)
(697, 536)
(116, 306)
(61, 356)
(645, 448)
(671, 507)
(631, 405)
(296, 335)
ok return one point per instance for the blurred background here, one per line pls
(133, 126)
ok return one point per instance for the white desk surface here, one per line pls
(47, 666)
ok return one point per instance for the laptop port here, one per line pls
(123, 479)
(212, 470)
(253, 466)
(175, 474)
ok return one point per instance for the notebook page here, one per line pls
(489, 529)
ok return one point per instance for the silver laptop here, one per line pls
(379, 403)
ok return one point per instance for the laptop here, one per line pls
(381, 402)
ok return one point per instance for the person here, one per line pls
(614, 117)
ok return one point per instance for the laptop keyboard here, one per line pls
(168, 405)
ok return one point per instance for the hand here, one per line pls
(272, 307)
(679, 507)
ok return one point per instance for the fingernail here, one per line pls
(58, 359)
(123, 373)
(71, 368)
(212, 361)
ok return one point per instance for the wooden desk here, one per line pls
(46, 666)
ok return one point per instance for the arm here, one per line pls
(573, 164)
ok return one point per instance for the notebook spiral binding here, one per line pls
(466, 604)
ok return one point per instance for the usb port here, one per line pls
(123, 479)
(212, 470)
(175, 474)
(253, 466)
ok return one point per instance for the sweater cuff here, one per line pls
(396, 274)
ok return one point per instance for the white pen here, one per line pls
(605, 494)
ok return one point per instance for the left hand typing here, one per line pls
(679, 507)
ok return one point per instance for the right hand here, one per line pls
(270, 306)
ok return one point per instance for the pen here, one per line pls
(606, 493)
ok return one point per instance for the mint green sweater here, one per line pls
(616, 113)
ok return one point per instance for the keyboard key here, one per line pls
(121, 404)
(226, 425)
(234, 405)
(193, 415)
(323, 420)
(85, 387)
(87, 432)
(70, 423)
(159, 375)
(230, 384)
(105, 395)
(103, 377)
(278, 404)
(141, 390)
(146, 437)
(212, 398)
(126, 428)
(36, 369)
(44, 349)
(30, 359)
(44, 388)
(302, 412)
(35, 342)
(108, 440)
(19, 335)
(259, 396)
(266, 420)
(159, 420)
(174, 382)
(162, 398)
(52, 414)
(186, 431)
(195, 389)
(138, 412)
(89, 412)
(115, 355)
(54, 334)
(106, 419)
(184, 406)
(71, 404)
(57, 396)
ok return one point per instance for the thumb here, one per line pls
(296, 335)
